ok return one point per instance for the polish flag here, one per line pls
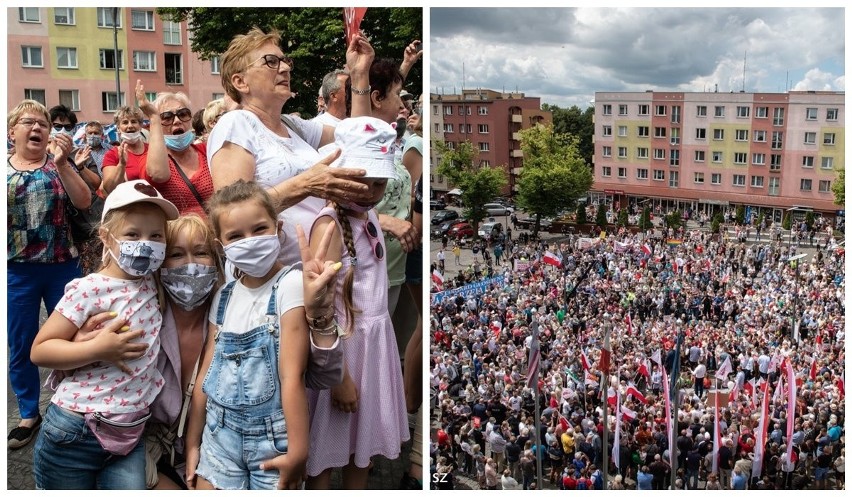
(632, 390)
(629, 322)
(645, 368)
(496, 327)
(812, 374)
(616, 446)
(733, 395)
(611, 396)
(606, 352)
(657, 357)
(791, 406)
(716, 434)
(646, 249)
(841, 384)
(725, 369)
(552, 259)
(563, 422)
(534, 358)
(591, 379)
(669, 428)
(438, 279)
(778, 396)
(628, 413)
(587, 364)
(750, 390)
(762, 428)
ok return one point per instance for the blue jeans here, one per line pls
(67, 456)
(28, 284)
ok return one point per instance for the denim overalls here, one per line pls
(245, 422)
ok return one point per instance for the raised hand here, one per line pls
(318, 274)
(142, 100)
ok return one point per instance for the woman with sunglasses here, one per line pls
(175, 165)
(256, 143)
(41, 257)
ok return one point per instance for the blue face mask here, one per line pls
(181, 141)
(93, 141)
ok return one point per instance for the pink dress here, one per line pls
(380, 425)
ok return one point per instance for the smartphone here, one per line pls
(418, 46)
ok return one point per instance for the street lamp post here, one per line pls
(796, 259)
(604, 394)
(117, 61)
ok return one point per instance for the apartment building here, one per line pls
(491, 121)
(770, 152)
(67, 55)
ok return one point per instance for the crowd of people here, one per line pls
(232, 293)
(730, 302)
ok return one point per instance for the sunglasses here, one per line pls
(373, 236)
(60, 127)
(273, 61)
(168, 117)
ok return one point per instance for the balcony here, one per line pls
(517, 118)
(516, 136)
(518, 153)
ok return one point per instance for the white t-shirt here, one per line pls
(247, 307)
(326, 119)
(276, 159)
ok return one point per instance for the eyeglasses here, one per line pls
(29, 123)
(60, 127)
(146, 189)
(373, 236)
(273, 61)
(168, 117)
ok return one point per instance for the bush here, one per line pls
(787, 222)
(623, 218)
(600, 219)
(581, 213)
(740, 216)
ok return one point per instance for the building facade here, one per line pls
(701, 152)
(66, 55)
(491, 121)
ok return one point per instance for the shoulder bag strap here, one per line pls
(292, 126)
(188, 183)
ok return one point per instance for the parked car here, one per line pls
(437, 204)
(490, 230)
(444, 216)
(495, 209)
(442, 229)
(461, 230)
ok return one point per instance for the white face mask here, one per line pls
(139, 257)
(131, 137)
(254, 256)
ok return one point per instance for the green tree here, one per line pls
(740, 215)
(581, 214)
(787, 222)
(716, 223)
(600, 217)
(645, 219)
(839, 188)
(478, 184)
(312, 36)
(577, 123)
(623, 218)
(809, 219)
(554, 175)
(674, 220)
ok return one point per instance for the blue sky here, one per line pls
(565, 55)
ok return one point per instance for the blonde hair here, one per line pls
(237, 57)
(128, 111)
(211, 113)
(114, 220)
(349, 278)
(195, 226)
(24, 107)
(166, 96)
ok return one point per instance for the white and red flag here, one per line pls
(669, 427)
(587, 364)
(760, 443)
(611, 396)
(657, 357)
(606, 353)
(552, 259)
(778, 396)
(645, 367)
(717, 437)
(496, 327)
(627, 413)
(646, 249)
(629, 322)
(791, 406)
(438, 279)
(616, 447)
(812, 372)
(534, 359)
(635, 393)
(725, 369)
(352, 17)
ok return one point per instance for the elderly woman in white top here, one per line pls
(255, 142)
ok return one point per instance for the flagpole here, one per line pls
(675, 393)
(538, 440)
(604, 395)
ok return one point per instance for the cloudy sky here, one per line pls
(565, 55)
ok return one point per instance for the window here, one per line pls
(700, 133)
(740, 157)
(451, 145)
(31, 57)
(827, 163)
(757, 181)
(824, 186)
(70, 99)
(482, 110)
(66, 58)
(810, 138)
(811, 114)
(106, 19)
(109, 102)
(718, 134)
(174, 69)
(641, 152)
(28, 14)
(717, 157)
(659, 110)
(774, 162)
(675, 114)
(63, 15)
(777, 140)
(607, 131)
(701, 111)
(738, 180)
(434, 110)
(716, 178)
(828, 138)
(448, 128)
(37, 95)
(468, 130)
(606, 171)
(674, 157)
(622, 172)
(607, 109)
(144, 61)
(831, 114)
(448, 110)
(805, 185)
(808, 161)
(641, 173)
(485, 163)
(622, 109)
(606, 151)
(719, 111)
(484, 147)
(643, 109)
(659, 154)
(467, 107)
(643, 131)
(758, 159)
(659, 175)
(774, 186)
(743, 111)
(214, 65)
(741, 135)
(674, 179)
(171, 33)
(152, 95)
(622, 152)
(434, 126)
(659, 132)
(483, 129)
(759, 135)
(461, 110)
(142, 20)
(761, 112)
(778, 116)
(698, 178)
(622, 131)
(699, 156)
(108, 58)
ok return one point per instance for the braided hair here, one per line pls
(349, 279)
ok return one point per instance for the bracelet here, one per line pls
(361, 92)
(333, 329)
(320, 321)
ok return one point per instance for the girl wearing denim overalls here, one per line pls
(248, 425)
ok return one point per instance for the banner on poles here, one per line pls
(469, 290)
